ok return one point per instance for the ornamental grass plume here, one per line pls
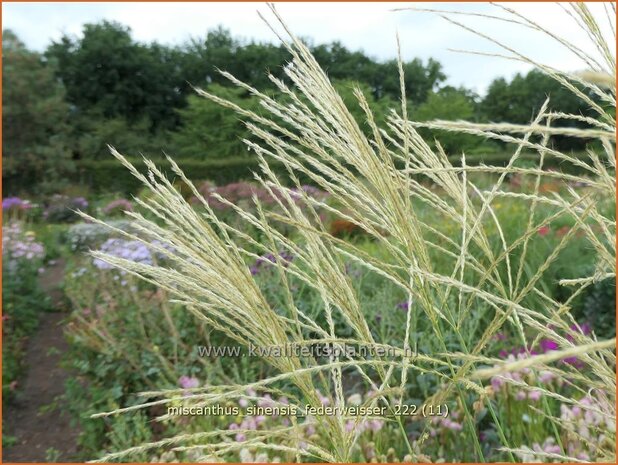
(377, 183)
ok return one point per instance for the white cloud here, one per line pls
(367, 26)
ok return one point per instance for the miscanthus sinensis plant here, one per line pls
(378, 182)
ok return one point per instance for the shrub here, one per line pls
(62, 209)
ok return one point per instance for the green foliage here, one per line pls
(111, 89)
(108, 71)
(208, 130)
(453, 104)
(382, 78)
(34, 119)
(519, 101)
(93, 133)
(598, 307)
(200, 59)
(106, 175)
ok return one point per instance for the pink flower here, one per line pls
(534, 395)
(266, 401)
(375, 425)
(496, 383)
(452, 425)
(543, 231)
(310, 430)
(546, 377)
(187, 382)
(323, 399)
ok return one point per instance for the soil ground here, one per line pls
(38, 418)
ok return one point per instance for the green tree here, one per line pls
(210, 131)
(249, 62)
(449, 103)
(108, 71)
(93, 133)
(519, 101)
(378, 107)
(34, 120)
(382, 78)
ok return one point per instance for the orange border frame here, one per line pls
(227, 1)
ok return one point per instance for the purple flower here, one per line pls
(60, 208)
(576, 362)
(80, 202)
(266, 260)
(405, 305)
(375, 425)
(547, 344)
(15, 202)
(18, 245)
(584, 329)
(546, 377)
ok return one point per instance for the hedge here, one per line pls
(110, 176)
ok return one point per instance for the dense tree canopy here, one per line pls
(107, 71)
(105, 87)
(34, 115)
(449, 103)
(519, 101)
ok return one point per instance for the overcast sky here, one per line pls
(367, 26)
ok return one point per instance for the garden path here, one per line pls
(38, 418)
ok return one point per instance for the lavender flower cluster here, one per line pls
(82, 236)
(15, 203)
(583, 422)
(134, 251)
(18, 246)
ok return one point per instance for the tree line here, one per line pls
(67, 103)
